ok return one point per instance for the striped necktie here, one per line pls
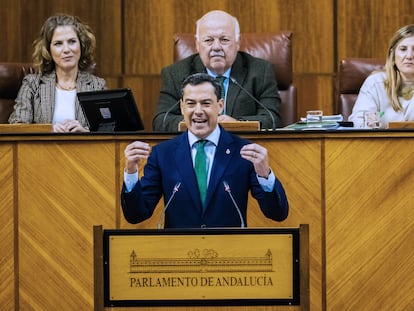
(200, 167)
(221, 79)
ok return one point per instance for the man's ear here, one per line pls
(197, 44)
(182, 106)
(238, 43)
(221, 105)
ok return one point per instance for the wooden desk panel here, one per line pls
(369, 224)
(65, 184)
(64, 188)
(298, 164)
(7, 255)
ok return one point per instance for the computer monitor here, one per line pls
(110, 110)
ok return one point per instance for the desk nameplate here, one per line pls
(201, 267)
(26, 128)
(400, 125)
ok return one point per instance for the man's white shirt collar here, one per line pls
(213, 137)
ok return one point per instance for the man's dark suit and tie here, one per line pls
(218, 41)
(230, 160)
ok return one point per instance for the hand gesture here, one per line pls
(135, 152)
(258, 156)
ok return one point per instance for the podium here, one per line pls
(201, 267)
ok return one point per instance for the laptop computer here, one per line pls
(112, 110)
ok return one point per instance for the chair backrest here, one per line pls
(352, 73)
(11, 76)
(274, 47)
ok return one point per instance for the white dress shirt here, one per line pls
(210, 148)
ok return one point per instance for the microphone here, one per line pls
(174, 191)
(256, 101)
(227, 189)
(167, 113)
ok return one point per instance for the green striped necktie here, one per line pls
(200, 168)
(221, 79)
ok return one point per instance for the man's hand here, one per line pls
(224, 117)
(258, 156)
(135, 152)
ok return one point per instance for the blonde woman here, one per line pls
(390, 92)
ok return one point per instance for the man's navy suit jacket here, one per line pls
(170, 162)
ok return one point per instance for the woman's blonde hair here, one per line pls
(42, 57)
(393, 82)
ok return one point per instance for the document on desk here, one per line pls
(335, 117)
(303, 126)
(329, 122)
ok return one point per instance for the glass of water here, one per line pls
(371, 120)
(314, 118)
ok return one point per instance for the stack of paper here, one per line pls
(335, 117)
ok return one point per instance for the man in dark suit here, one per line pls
(218, 42)
(232, 167)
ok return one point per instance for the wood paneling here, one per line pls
(63, 191)
(23, 20)
(352, 189)
(365, 27)
(313, 46)
(134, 37)
(7, 222)
(146, 92)
(74, 183)
(134, 41)
(369, 224)
(315, 91)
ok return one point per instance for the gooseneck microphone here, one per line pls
(228, 190)
(174, 191)
(166, 115)
(256, 101)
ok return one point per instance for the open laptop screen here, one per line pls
(110, 110)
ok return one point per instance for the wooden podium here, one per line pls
(201, 267)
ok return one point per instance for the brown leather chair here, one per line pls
(11, 76)
(273, 47)
(352, 73)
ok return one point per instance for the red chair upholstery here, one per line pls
(273, 47)
(352, 73)
(11, 76)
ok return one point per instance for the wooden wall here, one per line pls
(135, 36)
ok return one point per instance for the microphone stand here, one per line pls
(256, 101)
(227, 189)
(175, 189)
(167, 113)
